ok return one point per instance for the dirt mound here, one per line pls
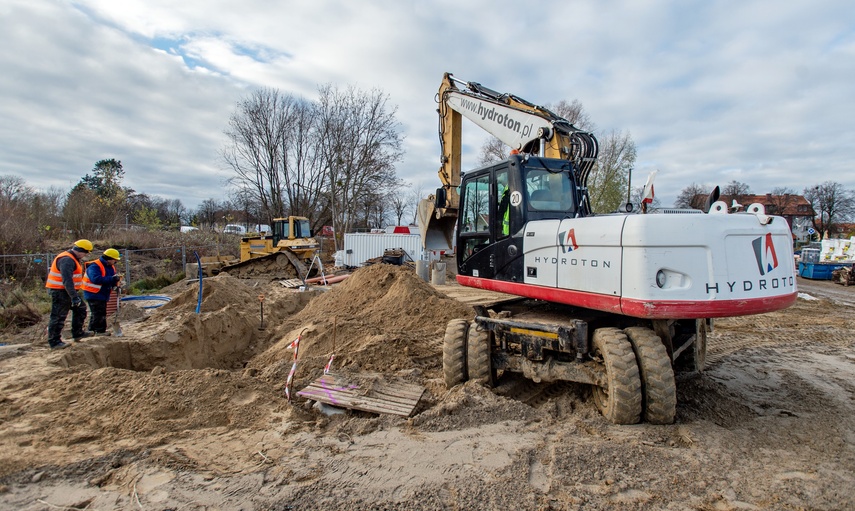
(383, 318)
(472, 404)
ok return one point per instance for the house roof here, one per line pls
(784, 205)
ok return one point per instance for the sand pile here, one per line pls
(383, 318)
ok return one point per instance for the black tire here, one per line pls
(658, 390)
(478, 355)
(620, 403)
(454, 352)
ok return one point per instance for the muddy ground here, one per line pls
(187, 411)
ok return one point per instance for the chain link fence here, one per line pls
(138, 264)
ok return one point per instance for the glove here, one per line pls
(76, 302)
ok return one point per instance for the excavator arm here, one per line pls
(525, 127)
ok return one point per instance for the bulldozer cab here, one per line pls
(291, 228)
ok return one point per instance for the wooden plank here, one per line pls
(474, 296)
(351, 398)
(365, 393)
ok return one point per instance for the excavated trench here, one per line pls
(225, 334)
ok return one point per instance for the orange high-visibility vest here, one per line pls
(90, 286)
(54, 279)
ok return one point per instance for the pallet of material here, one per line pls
(368, 393)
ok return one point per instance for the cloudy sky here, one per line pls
(711, 91)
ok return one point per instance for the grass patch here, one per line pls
(147, 285)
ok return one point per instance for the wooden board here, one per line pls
(368, 393)
(474, 296)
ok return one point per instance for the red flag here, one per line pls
(647, 195)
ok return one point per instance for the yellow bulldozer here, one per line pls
(288, 251)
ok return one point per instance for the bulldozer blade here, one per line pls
(282, 264)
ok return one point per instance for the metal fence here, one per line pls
(135, 264)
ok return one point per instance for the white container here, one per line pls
(360, 247)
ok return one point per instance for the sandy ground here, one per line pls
(187, 411)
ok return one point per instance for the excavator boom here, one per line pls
(523, 126)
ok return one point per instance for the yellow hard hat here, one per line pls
(84, 245)
(112, 253)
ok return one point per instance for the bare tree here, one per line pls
(400, 201)
(781, 198)
(305, 174)
(575, 113)
(692, 196)
(360, 142)
(413, 198)
(257, 133)
(209, 212)
(832, 202)
(493, 150)
(15, 196)
(82, 212)
(736, 190)
(608, 182)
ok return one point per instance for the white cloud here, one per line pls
(710, 91)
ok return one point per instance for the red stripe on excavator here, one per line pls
(550, 294)
(706, 308)
(670, 309)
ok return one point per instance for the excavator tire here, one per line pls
(620, 402)
(454, 352)
(478, 355)
(658, 390)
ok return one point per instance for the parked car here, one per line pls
(188, 228)
(234, 229)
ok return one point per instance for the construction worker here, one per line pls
(504, 202)
(98, 282)
(64, 280)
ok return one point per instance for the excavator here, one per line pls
(617, 301)
(287, 252)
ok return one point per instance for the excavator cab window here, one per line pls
(549, 191)
(476, 217)
(476, 208)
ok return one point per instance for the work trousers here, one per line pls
(98, 320)
(59, 307)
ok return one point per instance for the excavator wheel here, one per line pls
(620, 402)
(658, 390)
(478, 356)
(454, 352)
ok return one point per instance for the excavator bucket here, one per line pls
(436, 233)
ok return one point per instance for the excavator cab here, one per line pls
(497, 201)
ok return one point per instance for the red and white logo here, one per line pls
(764, 252)
(567, 240)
